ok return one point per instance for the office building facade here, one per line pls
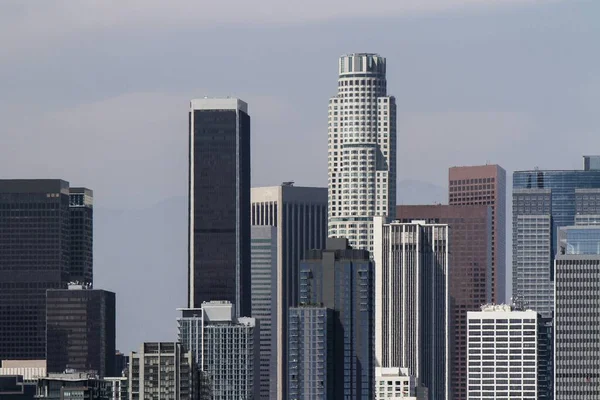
(543, 202)
(341, 279)
(485, 185)
(361, 149)
(507, 354)
(311, 347)
(35, 255)
(264, 272)
(162, 370)
(219, 203)
(470, 283)
(225, 348)
(81, 210)
(412, 305)
(80, 330)
(576, 317)
(295, 220)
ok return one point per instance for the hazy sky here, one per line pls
(96, 92)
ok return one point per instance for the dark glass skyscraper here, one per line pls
(86, 342)
(340, 279)
(543, 202)
(82, 224)
(219, 203)
(36, 254)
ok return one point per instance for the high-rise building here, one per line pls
(470, 238)
(341, 279)
(361, 149)
(264, 272)
(507, 354)
(311, 346)
(225, 348)
(485, 185)
(36, 254)
(576, 318)
(82, 231)
(299, 217)
(544, 201)
(162, 370)
(219, 203)
(80, 330)
(412, 307)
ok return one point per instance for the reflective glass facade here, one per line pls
(310, 373)
(41, 240)
(219, 203)
(82, 230)
(86, 342)
(342, 279)
(544, 201)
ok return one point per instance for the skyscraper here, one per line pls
(341, 279)
(507, 354)
(470, 238)
(412, 310)
(36, 253)
(162, 370)
(576, 318)
(311, 347)
(544, 201)
(81, 330)
(485, 185)
(82, 230)
(299, 217)
(264, 272)
(361, 149)
(219, 203)
(225, 348)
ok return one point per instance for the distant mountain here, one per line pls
(419, 192)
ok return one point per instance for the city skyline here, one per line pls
(480, 98)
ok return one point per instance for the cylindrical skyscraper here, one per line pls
(361, 150)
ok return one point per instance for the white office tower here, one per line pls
(506, 354)
(412, 303)
(361, 150)
(225, 349)
(396, 383)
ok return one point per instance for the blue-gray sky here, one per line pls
(96, 92)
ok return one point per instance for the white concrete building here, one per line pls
(504, 354)
(395, 383)
(225, 348)
(412, 303)
(361, 149)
